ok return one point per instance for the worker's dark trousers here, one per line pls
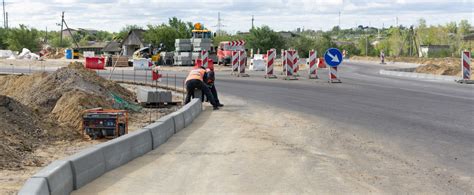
(214, 93)
(198, 84)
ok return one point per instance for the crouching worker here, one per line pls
(210, 83)
(195, 80)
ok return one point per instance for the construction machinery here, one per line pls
(225, 48)
(188, 50)
(104, 123)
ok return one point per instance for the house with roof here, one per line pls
(133, 41)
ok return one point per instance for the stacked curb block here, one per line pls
(74, 172)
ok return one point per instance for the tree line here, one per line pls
(370, 41)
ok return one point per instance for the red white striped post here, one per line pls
(466, 65)
(205, 58)
(290, 59)
(296, 65)
(333, 78)
(235, 62)
(283, 61)
(242, 63)
(271, 55)
(313, 65)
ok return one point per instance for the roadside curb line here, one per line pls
(407, 72)
(73, 172)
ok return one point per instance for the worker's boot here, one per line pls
(215, 108)
(220, 105)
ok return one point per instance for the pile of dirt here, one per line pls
(54, 53)
(21, 131)
(65, 93)
(438, 66)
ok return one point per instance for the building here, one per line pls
(133, 42)
(68, 32)
(112, 48)
(433, 51)
(96, 47)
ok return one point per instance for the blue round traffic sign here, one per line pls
(333, 57)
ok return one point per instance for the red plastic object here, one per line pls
(198, 63)
(321, 63)
(97, 63)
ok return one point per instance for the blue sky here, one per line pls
(112, 15)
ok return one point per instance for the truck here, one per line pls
(225, 48)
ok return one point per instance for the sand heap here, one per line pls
(65, 93)
(21, 131)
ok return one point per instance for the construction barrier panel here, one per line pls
(235, 62)
(283, 61)
(290, 60)
(333, 77)
(313, 65)
(296, 65)
(321, 63)
(466, 65)
(242, 64)
(205, 58)
(271, 55)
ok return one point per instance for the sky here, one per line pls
(236, 15)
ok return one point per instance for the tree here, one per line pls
(264, 38)
(303, 45)
(182, 28)
(3, 38)
(23, 37)
(162, 34)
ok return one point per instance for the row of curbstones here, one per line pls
(69, 174)
(408, 72)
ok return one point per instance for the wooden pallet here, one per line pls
(160, 104)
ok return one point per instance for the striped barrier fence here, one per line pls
(333, 77)
(271, 55)
(296, 65)
(283, 61)
(313, 65)
(242, 64)
(235, 62)
(205, 58)
(466, 65)
(290, 59)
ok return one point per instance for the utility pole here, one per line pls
(397, 21)
(219, 24)
(339, 20)
(61, 32)
(253, 19)
(4, 16)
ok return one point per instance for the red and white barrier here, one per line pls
(205, 58)
(466, 65)
(242, 64)
(236, 43)
(313, 65)
(290, 60)
(271, 55)
(235, 62)
(283, 61)
(333, 78)
(296, 65)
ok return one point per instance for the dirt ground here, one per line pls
(438, 66)
(40, 118)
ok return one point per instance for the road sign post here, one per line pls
(333, 58)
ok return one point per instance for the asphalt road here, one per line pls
(431, 121)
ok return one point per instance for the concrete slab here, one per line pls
(162, 130)
(178, 118)
(87, 165)
(35, 186)
(59, 177)
(141, 142)
(117, 152)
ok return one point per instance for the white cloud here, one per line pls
(278, 14)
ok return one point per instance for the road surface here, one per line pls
(376, 133)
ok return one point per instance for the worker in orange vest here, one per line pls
(210, 83)
(195, 80)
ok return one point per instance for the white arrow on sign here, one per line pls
(334, 57)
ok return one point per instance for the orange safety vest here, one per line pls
(197, 73)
